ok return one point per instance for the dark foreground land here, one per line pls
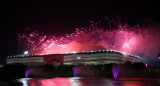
(127, 70)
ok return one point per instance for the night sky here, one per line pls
(59, 17)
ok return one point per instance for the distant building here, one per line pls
(75, 58)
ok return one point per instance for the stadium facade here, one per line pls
(75, 58)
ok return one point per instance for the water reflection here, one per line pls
(24, 81)
(89, 82)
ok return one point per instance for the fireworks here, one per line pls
(133, 40)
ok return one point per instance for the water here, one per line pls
(59, 81)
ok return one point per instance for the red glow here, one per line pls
(50, 82)
(48, 59)
(132, 83)
(146, 65)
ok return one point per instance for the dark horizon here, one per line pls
(58, 17)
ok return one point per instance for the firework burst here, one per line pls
(124, 38)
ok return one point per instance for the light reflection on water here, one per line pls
(89, 82)
(24, 81)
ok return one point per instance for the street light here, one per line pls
(25, 52)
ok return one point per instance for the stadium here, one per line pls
(75, 58)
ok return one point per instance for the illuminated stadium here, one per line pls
(72, 53)
(75, 58)
(84, 46)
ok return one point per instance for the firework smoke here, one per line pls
(135, 40)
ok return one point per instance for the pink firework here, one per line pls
(133, 40)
